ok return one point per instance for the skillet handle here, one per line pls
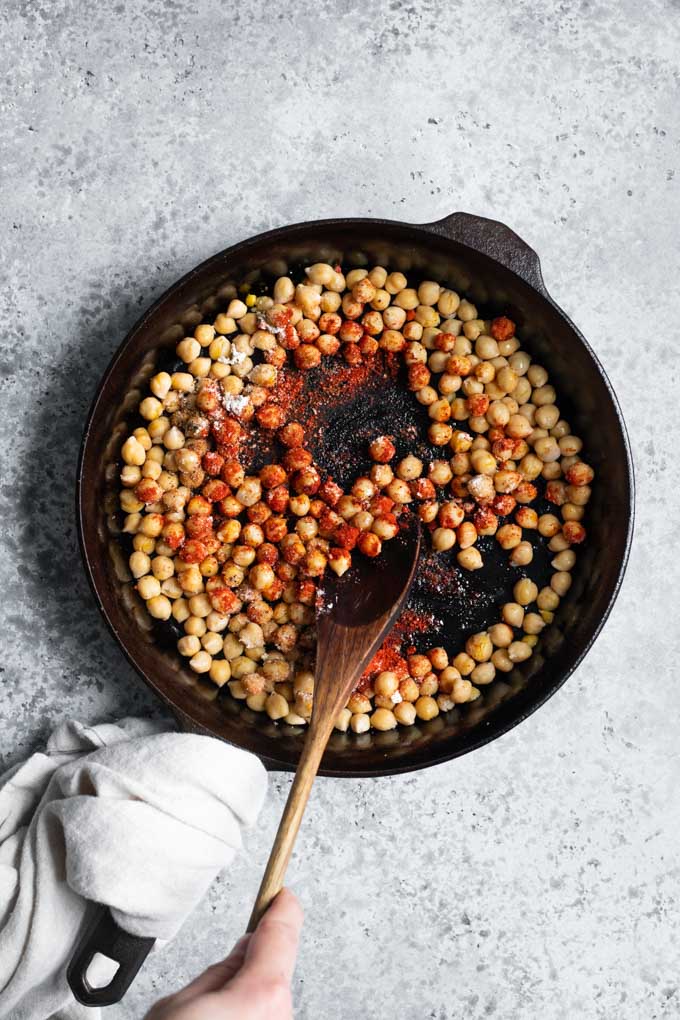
(492, 238)
(102, 935)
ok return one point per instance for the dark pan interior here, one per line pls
(444, 606)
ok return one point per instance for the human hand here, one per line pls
(253, 982)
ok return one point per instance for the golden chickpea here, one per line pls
(509, 536)
(547, 600)
(466, 311)
(212, 643)
(547, 449)
(522, 555)
(395, 282)
(502, 660)
(196, 626)
(276, 706)
(383, 719)
(426, 708)
(479, 647)
(220, 672)
(548, 525)
(501, 635)
(525, 591)
(343, 720)
(466, 534)
(533, 623)
(162, 567)
(443, 539)
(405, 713)
(409, 468)
(484, 673)
(188, 645)
(358, 703)
(140, 564)
(513, 614)
(360, 723)
(470, 559)
(188, 349)
(506, 379)
(560, 582)
(201, 662)
(464, 663)
(543, 394)
(149, 587)
(386, 683)
(519, 651)
(378, 276)
(448, 302)
(564, 560)
(133, 452)
(150, 408)
(483, 462)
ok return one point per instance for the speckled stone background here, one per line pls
(539, 877)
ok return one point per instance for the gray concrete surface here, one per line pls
(539, 877)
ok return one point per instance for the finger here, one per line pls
(273, 946)
(216, 976)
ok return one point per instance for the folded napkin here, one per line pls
(126, 815)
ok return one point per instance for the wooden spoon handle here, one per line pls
(272, 881)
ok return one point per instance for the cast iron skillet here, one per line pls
(491, 265)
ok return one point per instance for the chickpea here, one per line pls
(560, 582)
(405, 713)
(360, 723)
(426, 708)
(220, 672)
(479, 647)
(443, 539)
(564, 560)
(409, 468)
(466, 534)
(483, 673)
(533, 623)
(132, 452)
(140, 564)
(513, 614)
(439, 472)
(548, 525)
(525, 591)
(522, 555)
(542, 395)
(189, 645)
(519, 651)
(547, 449)
(383, 719)
(149, 587)
(509, 536)
(547, 600)
(470, 559)
(395, 282)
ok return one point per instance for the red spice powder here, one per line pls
(287, 390)
(389, 655)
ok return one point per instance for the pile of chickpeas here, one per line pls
(235, 558)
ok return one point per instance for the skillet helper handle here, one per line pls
(102, 935)
(492, 238)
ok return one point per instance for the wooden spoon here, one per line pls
(359, 609)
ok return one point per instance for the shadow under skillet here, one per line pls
(82, 656)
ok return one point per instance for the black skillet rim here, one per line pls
(488, 730)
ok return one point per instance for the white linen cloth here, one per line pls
(122, 814)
